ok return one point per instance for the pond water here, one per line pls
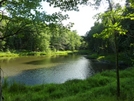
(41, 70)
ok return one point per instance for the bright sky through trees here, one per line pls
(83, 20)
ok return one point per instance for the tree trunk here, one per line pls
(117, 65)
(116, 54)
(0, 86)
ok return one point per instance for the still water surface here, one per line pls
(42, 70)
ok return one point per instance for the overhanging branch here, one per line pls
(2, 2)
(16, 33)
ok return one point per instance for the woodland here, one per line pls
(23, 27)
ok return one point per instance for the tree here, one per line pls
(127, 23)
(74, 40)
(21, 11)
(67, 5)
(62, 38)
(97, 44)
(113, 19)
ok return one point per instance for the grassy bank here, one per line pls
(8, 54)
(34, 53)
(100, 87)
(26, 53)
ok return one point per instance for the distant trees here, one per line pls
(24, 27)
(38, 38)
(96, 44)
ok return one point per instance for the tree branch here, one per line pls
(1, 16)
(19, 30)
(2, 2)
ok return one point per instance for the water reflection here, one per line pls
(77, 68)
(99, 66)
(41, 70)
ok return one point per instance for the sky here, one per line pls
(83, 20)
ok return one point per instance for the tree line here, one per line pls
(38, 38)
(117, 21)
(24, 27)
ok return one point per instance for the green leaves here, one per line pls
(67, 5)
(107, 19)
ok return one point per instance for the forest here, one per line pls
(113, 32)
(22, 30)
(24, 27)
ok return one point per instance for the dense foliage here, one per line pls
(24, 27)
(114, 34)
(101, 39)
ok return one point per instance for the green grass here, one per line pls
(31, 53)
(100, 87)
(62, 52)
(8, 54)
(26, 53)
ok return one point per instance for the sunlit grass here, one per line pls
(63, 52)
(27, 53)
(101, 58)
(8, 54)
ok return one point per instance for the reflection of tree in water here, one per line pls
(101, 66)
(54, 59)
(6, 59)
(74, 69)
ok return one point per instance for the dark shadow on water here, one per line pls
(100, 66)
(56, 59)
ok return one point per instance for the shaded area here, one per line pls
(101, 66)
(55, 59)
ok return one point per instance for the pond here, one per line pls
(57, 69)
